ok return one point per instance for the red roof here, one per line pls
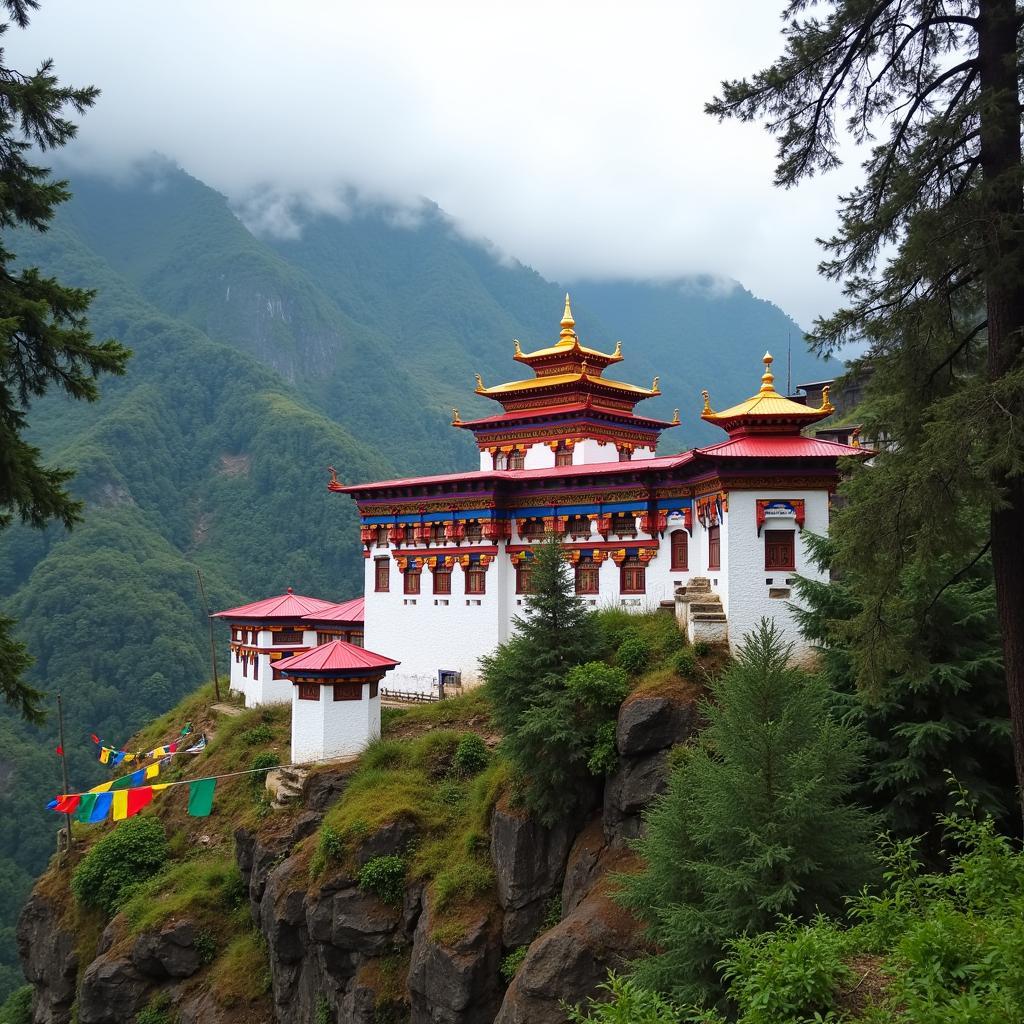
(347, 611)
(583, 408)
(284, 606)
(337, 657)
(782, 446)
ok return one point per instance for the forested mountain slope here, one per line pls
(258, 363)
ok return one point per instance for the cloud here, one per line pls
(572, 135)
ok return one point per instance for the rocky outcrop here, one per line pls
(169, 953)
(48, 958)
(113, 990)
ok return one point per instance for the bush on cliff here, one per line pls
(757, 821)
(119, 863)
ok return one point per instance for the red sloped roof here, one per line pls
(347, 611)
(556, 410)
(284, 606)
(782, 446)
(337, 656)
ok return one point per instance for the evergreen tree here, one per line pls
(943, 710)
(757, 821)
(44, 340)
(931, 250)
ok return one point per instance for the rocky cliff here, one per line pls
(337, 952)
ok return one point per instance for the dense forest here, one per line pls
(256, 364)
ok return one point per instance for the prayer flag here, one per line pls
(172, 748)
(138, 798)
(60, 751)
(118, 757)
(67, 804)
(200, 797)
(101, 788)
(105, 753)
(85, 808)
(198, 747)
(152, 770)
(101, 808)
(94, 737)
(120, 805)
(51, 805)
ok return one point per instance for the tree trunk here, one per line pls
(1004, 285)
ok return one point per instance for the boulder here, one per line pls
(583, 866)
(113, 990)
(646, 724)
(282, 914)
(529, 860)
(392, 838)
(48, 958)
(634, 784)
(456, 984)
(322, 788)
(169, 953)
(361, 923)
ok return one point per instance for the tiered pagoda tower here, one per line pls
(568, 413)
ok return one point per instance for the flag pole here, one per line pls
(213, 644)
(63, 760)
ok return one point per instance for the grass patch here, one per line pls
(470, 708)
(242, 973)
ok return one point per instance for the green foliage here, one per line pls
(384, 877)
(511, 963)
(258, 766)
(471, 755)
(158, 1011)
(17, 1008)
(119, 863)
(685, 662)
(596, 685)
(206, 946)
(623, 1001)
(757, 821)
(603, 754)
(322, 1013)
(330, 846)
(462, 882)
(261, 733)
(701, 649)
(634, 654)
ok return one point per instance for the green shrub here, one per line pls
(258, 734)
(323, 1014)
(471, 756)
(702, 648)
(157, 1012)
(512, 962)
(623, 1001)
(634, 654)
(685, 663)
(205, 946)
(603, 755)
(330, 846)
(258, 779)
(111, 871)
(384, 877)
(596, 685)
(461, 883)
(17, 1008)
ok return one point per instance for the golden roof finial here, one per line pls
(479, 382)
(707, 403)
(517, 348)
(826, 405)
(568, 335)
(618, 348)
(455, 417)
(768, 378)
(583, 368)
(675, 416)
(654, 385)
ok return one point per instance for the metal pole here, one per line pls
(213, 644)
(63, 758)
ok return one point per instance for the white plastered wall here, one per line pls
(327, 728)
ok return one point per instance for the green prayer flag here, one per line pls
(200, 797)
(86, 806)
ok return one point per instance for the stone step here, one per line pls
(700, 607)
(708, 617)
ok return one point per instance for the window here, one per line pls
(500, 460)
(563, 457)
(437, 533)
(625, 455)
(382, 577)
(779, 549)
(579, 527)
(412, 582)
(588, 577)
(523, 578)
(442, 580)
(517, 460)
(325, 638)
(382, 536)
(309, 691)
(633, 577)
(680, 550)
(532, 529)
(356, 639)
(624, 524)
(474, 530)
(288, 636)
(348, 691)
(476, 580)
(714, 547)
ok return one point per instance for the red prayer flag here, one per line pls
(68, 803)
(94, 737)
(138, 798)
(60, 751)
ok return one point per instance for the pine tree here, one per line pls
(44, 339)
(930, 248)
(943, 710)
(757, 822)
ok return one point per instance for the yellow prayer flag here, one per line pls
(161, 785)
(128, 757)
(152, 771)
(120, 804)
(102, 787)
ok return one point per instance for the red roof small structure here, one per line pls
(346, 611)
(782, 446)
(285, 606)
(337, 658)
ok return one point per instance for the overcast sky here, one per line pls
(570, 133)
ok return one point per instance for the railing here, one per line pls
(408, 696)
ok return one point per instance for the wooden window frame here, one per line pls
(411, 582)
(355, 638)
(780, 550)
(288, 636)
(348, 690)
(308, 691)
(626, 519)
(592, 571)
(633, 577)
(715, 547)
(476, 580)
(445, 574)
(532, 529)
(523, 572)
(680, 539)
(378, 565)
(474, 530)
(516, 460)
(563, 456)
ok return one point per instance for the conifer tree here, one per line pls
(757, 821)
(930, 248)
(45, 342)
(944, 710)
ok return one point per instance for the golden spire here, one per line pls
(568, 335)
(768, 378)
(675, 417)
(654, 386)
(826, 405)
(456, 420)
(479, 382)
(707, 403)
(517, 348)
(618, 348)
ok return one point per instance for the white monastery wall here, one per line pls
(748, 596)
(327, 728)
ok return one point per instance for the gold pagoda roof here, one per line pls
(568, 346)
(767, 408)
(562, 380)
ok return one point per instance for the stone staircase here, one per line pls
(699, 610)
(285, 786)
